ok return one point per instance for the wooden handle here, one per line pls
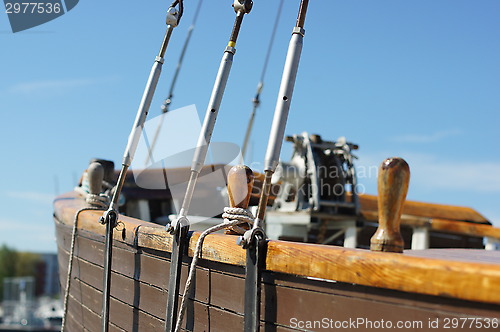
(239, 186)
(109, 169)
(393, 181)
(95, 175)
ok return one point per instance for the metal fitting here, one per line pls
(159, 59)
(244, 6)
(172, 17)
(298, 30)
(250, 236)
(241, 241)
(175, 225)
(110, 216)
(230, 49)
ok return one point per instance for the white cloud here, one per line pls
(427, 138)
(434, 172)
(32, 196)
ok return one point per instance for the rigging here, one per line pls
(180, 226)
(110, 217)
(166, 104)
(260, 85)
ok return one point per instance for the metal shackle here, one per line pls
(244, 6)
(172, 17)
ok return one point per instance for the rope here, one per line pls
(244, 215)
(232, 218)
(271, 41)
(166, 103)
(168, 100)
(100, 202)
(97, 200)
(260, 85)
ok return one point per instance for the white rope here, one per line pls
(97, 200)
(232, 218)
(100, 202)
(234, 213)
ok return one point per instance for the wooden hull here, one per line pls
(305, 287)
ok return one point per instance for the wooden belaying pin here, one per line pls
(393, 181)
(239, 186)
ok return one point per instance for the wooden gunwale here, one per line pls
(139, 279)
(465, 280)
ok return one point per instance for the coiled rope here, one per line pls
(233, 217)
(98, 202)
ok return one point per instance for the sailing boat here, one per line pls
(242, 280)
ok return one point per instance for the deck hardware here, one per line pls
(393, 181)
(236, 218)
(254, 240)
(255, 259)
(110, 217)
(181, 224)
(168, 100)
(179, 244)
(91, 187)
(240, 181)
(241, 7)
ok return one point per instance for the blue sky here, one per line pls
(417, 79)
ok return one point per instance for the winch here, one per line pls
(318, 197)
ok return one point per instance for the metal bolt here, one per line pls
(170, 229)
(241, 241)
